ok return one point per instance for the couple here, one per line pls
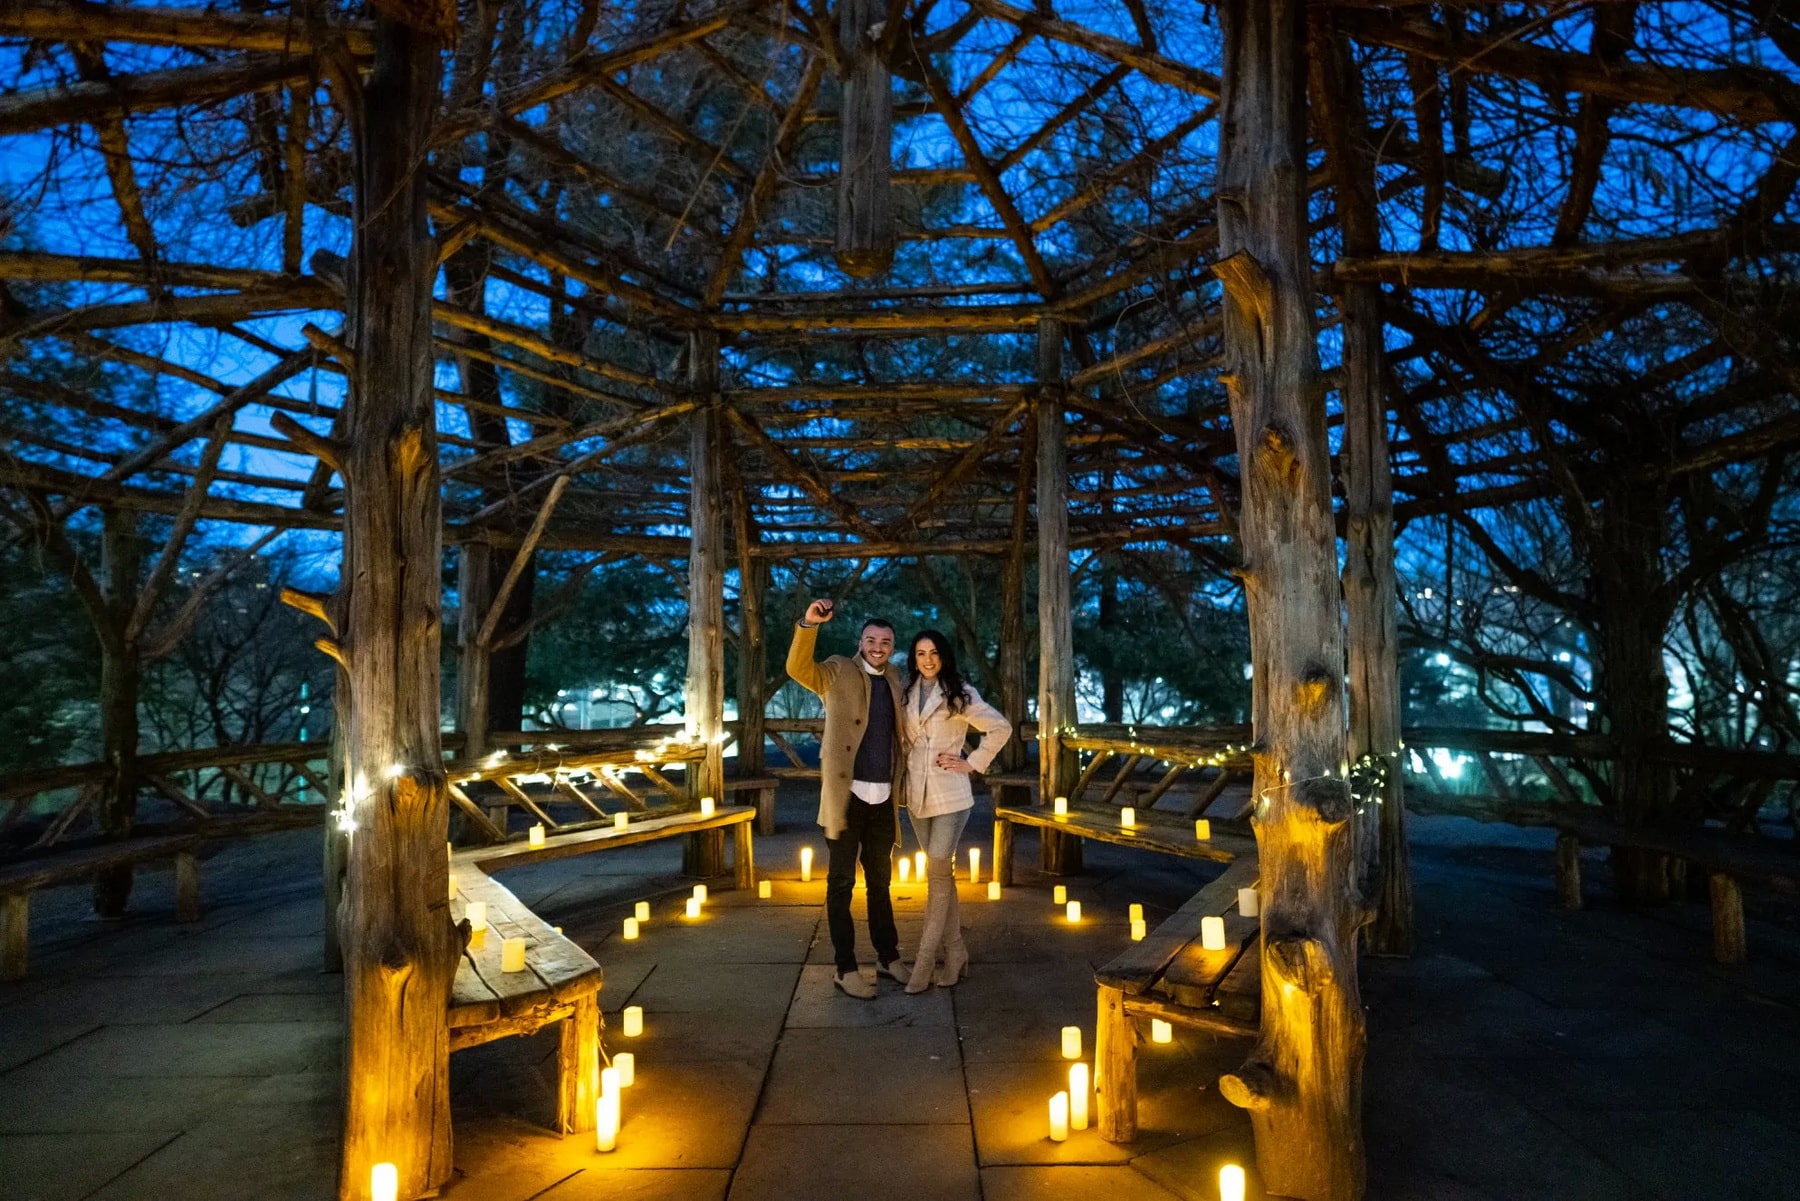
(891, 741)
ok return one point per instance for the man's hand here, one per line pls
(818, 612)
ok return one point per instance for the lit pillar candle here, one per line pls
(626, 1064)
(606, 1122)
(1161, 1031)
(1079, 1091)
(1249, 903)
(974, 865)
(1060, 806)
(1138, 929)
(1074, 911)
(512, 955)
(1059, 894)
(384, 1182)
(1059, 1117)
(1212, 934)
(919, 865)
(805, 865)
(1071, 1042)
(476, 912)
(621, 820)
(1128, 817)
(641, 911)
(693, 907)
(1202, 829)
(535, 836)
(765, 889)
(631, 928)
(452, 886)
(450, 850)
(707, 806)
(700, 893)
(1136, 912)
(610, 1081)
(1231, 1183)
(633, 1020)
(905, 869)
(993, 890)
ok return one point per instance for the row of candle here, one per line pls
(621, 1075)
(1059, 808)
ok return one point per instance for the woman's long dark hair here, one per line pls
(956, 693)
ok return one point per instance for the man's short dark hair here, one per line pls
(880, 623)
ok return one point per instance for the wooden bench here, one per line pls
(1170, 976)
(561, 981)
(1728, 859)
(1012, 788)
(18, 880)
(1153, 832)
(762, 790)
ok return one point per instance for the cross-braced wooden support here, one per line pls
(1303, 1082)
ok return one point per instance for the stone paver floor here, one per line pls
(1522, 1052)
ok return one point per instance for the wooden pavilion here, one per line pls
(739, 284)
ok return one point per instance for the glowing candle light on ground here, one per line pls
(905, 869)
(806, 857)
(1128, 817)
(1202, 829)
(641, 911)
(384, 1182)
(993, 890)
(1059, 1117)
(626, 1064)
(1079, 1091)
(1249, 903)
(1138, 930)
(633, 1020)
(1071, 1042)
(919, 865)
(611, 1079)
(1059, 894)
(765, 889)
(1074, 911)
(606, 1122)
(535, 836)
(700, 893)
(452, 886)
(631, 928)
(1161, 1031)
(512, 955)
(974, 865)
(621, 820)
(476, 912)
(1231, 1183)
(1060, 807)
(693, 907)
(1212, 934)
(1136, 912)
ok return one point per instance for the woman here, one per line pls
(940, 710)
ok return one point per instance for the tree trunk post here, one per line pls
(400, 948)
(1383, 864)
(474, 659)
(335, 864)
(704, 854)
(1060, 854)
(1014, 661)
(753, 581)
(120, 678)
(1302, 1083)
(865, 222)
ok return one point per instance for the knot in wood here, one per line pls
(1315, 691)
(1275, 455)
(1328, 798)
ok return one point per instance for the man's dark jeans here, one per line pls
(869, 836)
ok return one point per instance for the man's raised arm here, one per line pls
(801, 665)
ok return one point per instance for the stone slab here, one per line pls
(868, 1163)
(1061, 1183)
(820, 1003)
(698, 987)
(199, 1049)
(69, 1167)
(865, 1076)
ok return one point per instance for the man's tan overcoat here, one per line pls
(843, 685)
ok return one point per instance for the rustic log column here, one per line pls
(475, 658)
(1014, 690)
(753, 581)
(120, 675)
(400, 949)
(1060, 854)
(704, 854)
(1384, 869)
(865, 222)
(1302, 1083)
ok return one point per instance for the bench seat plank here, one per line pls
(1150, 833)
(556, 969)
(520, 853)
(1141, 965)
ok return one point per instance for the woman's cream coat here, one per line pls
(931, 790)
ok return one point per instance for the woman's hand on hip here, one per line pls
(956, 763)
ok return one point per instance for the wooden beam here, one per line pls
(1146, 62)
(86, 101)
(213, 29)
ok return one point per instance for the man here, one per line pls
(860, 762)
